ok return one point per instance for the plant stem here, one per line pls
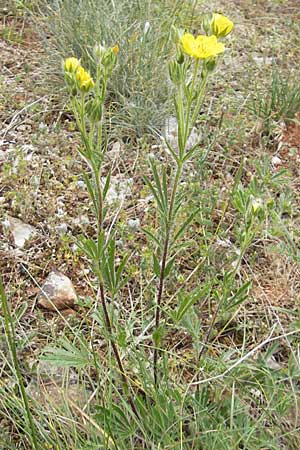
(99, 197)
(101, 289)
(115, 348)
(10, 334)
(163, 267)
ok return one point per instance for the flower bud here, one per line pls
(176, 34)
(175, 72)
(221, 25)
(99, 51)
(146, 27)
(256, 205)
(109, 58)
(210, 64)
(94, 109)
(71, 83)
(206, 24)
(71, 64)
(180, 58)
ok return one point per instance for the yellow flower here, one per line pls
(115, 49)
(221, 25)
(201, 47)
(71, 64)
(84, 80)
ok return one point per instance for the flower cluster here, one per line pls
(84, 79)
(204, 47)
(77, 76)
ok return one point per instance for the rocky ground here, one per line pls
(44, 205)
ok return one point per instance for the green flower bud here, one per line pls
(175, 72)
(210, 64)
(99, 51)
(176, 34)
(206, 24)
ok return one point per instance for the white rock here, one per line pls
(134, 224)
(20, 231)
(119, 189)
(80, 184)
(272, 363)
(81, 220)
(171, 134)
(57, 292)
(262, 60)
(62, 228)
(276, 161)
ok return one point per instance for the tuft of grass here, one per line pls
(139, 93)
(280, 101)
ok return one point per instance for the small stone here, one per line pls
(62, 228)
(80, 184)
(68, 312)
(57, 292)
(262, 60)
(171, 135)
(81, 220)
(134, 224)
(276, 161)
(119, 189)
(272, 363)
(20, 231)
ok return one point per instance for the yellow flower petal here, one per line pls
(115, 49)
(202, 47)
(189, 44)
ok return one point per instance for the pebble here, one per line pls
(171, 135)
(20, 231)
(57, 292)
(134, 224)
(276, 161)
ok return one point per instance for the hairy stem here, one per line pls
(169, 227)
(115, 349)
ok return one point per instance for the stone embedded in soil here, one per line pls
(51, 394)
(171, 134)
(134, 224)
(56, 386)
(119, 189)
(20, 231)
(276, 161)
(57, 292)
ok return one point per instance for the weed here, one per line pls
(280, 102)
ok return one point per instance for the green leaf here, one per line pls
(155, 194)
(185, 225)
(68, 355)
(158, 335)
(239, 297)
(151, 236)
(185, 303)
(169, 266)
(91, 192)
